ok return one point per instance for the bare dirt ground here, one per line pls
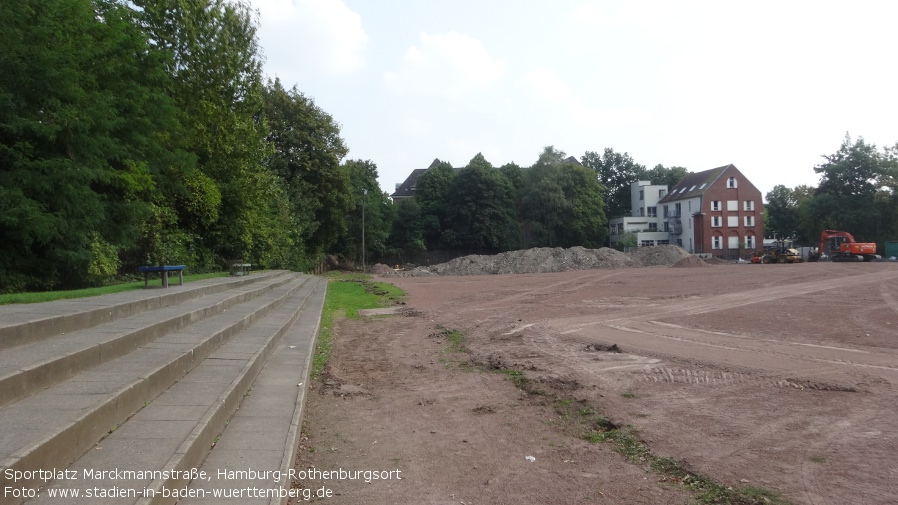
(777, 376)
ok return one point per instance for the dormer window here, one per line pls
(731, 182)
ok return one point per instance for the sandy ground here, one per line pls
(777, 376)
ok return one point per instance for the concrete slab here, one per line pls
(388, 311)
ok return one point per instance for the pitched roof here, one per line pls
(694, 184)
(407, 188)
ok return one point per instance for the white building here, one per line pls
(645, 220)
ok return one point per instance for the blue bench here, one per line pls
(164, 270)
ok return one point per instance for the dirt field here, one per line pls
(777, 376)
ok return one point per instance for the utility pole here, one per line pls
(364, 195)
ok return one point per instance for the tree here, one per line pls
(782, 218)
(616, 172)
(306, 153)
(212, 55)
(482, 214)
(432, 194)
(378, 212)
(563, 204)
(844, 198)
(665, 176)
(407, 233)
(81, 143)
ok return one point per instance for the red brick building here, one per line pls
(717, 212)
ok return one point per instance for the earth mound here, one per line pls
(547, 259)
(690, 262)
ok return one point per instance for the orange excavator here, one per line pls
(838, 245)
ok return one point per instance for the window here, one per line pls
(662, 192)
(662, 242)
(749, 205)
(666, 226)
(749, 241)
(716, 242)
(666, 213)
(731, 182)
(749, 221)
(648, 243)
(642, 194)
(653, 226)
(682, 191)
(733, 205)
(716, 221)
(716, 205)
(692, 188)
(652, 211)
(677, 210)
(733, 242)
(732, 221)
(703, 185)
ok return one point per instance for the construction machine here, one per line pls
(838, 245)
(781, 254)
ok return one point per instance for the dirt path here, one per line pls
(778, 376)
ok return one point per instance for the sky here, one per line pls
(768, 86)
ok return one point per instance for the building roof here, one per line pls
(694, 184)
(407, 188)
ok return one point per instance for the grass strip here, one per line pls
(347, 293)
(49, 296)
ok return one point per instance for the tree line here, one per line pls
(856, 193)
(144, 132)
(557, 202)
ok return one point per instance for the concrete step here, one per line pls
(23, 323)
(167, 383)
(39, 364)
(261, 439)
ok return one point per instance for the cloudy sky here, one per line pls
(768, 86)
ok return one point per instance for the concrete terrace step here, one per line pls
(41, 363)
(23, 323)
(263, 435)
(176, 430)
(54, 426)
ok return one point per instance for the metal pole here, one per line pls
(364, 194)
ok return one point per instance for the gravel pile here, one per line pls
(546, 259)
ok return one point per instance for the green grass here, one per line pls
(455, 340)
(346, 295)
(49, 296)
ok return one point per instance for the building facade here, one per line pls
(718, 212)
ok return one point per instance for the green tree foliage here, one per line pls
(482, 214)
(407, 234)
(665, 176)
(432, 194)
(378, 213)
(84, 130)
(563, 204)
(212, 55)
(781, 213)
(306, 154)
(616, 172)
(845, 196)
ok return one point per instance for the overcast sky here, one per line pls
(766, 86)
